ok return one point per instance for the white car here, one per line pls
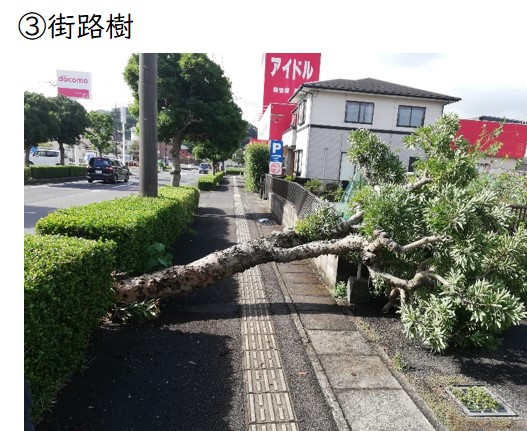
(45, 157)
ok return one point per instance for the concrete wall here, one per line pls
(285, 214)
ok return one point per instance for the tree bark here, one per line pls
(176, 160)
(283, 247)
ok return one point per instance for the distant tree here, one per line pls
(239, 156)
(73, 121)
(251, 133)
(131, 121)
(134, 149)
(100, 131)
(195, 104)
(41, 123)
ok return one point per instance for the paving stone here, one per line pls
(260, 359)
(329, 321)
(265, 380)
(266, 408)
(274, 427)
(259, 342)
(357, 372)
(335, 342)
(307, 289)
(314, 303)
(301, 277)
(382, 410)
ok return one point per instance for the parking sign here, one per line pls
(276, 152)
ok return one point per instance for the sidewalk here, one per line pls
(266, 350)
(362, 391)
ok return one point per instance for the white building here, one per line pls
(317, 144)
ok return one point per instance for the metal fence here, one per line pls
(303, 200)
(520, 211)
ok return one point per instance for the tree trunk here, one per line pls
(176, 160)
(282, 247)
(61, 151)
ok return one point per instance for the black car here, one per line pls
(204, 168)
(106, 170)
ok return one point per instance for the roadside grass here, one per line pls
(432, 390)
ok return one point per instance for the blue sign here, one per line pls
(276, 153)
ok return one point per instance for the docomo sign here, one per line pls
(74, 84)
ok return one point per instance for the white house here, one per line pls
(317, 144)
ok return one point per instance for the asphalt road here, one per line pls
(41, 199)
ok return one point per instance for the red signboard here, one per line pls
(284, 73)
(513, 136)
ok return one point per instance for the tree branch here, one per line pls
(222, 264)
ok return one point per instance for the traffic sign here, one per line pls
(275, 168)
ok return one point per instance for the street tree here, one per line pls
(439, 243)
(195, 103)
(252, 133)
(73, 121)
(130, 122)
(238, 156)
(100, 131)
(41, 123)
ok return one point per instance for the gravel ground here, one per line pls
(503, 371)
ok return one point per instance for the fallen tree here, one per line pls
(438, 243)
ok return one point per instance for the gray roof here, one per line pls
(373, 86)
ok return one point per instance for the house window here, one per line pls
(359, 112)
(301, 112)
(298, 162)
(410, 116)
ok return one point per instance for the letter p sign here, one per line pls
(276, 151)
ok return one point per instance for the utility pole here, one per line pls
(148, 125)
(123, 123)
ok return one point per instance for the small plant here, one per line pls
(135, 312)
(159, 257)
(398, 362)
(475, 398)
(314, 185)
(339, 291)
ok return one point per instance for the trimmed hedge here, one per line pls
(47, 172)
(256, 164)
(234, 171)
(132, 222)
(67, 290)
(210, 181)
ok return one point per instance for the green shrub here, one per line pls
(339, 290)
(218, 177)
(206, 182)
(256, 164)
(67, 290)
(133, 222)
(49, 172)
(234, 171)
(314, 185)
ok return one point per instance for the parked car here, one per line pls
(45, 158)
(204, 168)
(106, 170)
